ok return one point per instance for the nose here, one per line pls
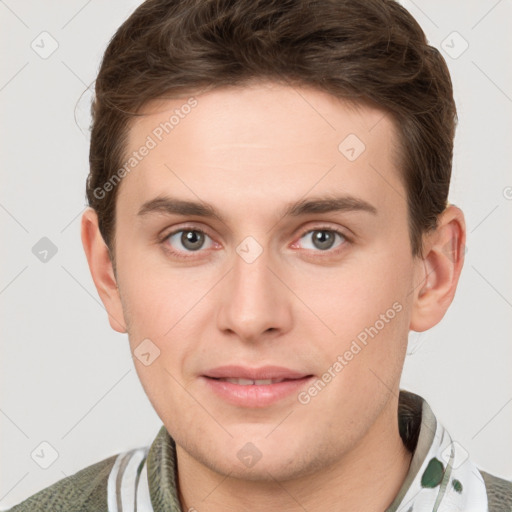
(254, 304)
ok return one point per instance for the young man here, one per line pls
(268, 219)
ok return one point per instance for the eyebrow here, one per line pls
(170, 206)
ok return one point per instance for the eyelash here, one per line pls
(328, 252)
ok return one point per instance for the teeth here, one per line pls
(248, 382)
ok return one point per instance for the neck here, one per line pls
(367, 478)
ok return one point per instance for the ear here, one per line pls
(438, 270)
(100, 265)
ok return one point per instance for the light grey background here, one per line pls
(67, 379)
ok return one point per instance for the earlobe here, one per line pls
(439, 270)
(100, 266)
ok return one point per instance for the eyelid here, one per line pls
(190, 226)
(323, 226)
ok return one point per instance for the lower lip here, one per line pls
(253, 395)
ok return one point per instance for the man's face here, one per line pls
(263, 285)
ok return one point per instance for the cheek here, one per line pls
(166, 324)
(352, 296)
(366, 305)
(156, 296)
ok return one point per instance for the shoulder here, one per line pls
(499, 492)
(85, 490)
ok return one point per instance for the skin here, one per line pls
(249, 152)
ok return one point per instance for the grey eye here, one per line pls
(190, 240)
(323, 239)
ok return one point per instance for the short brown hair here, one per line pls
(359, 50)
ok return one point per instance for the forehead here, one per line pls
(260, 141)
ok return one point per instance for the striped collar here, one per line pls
(441, 477)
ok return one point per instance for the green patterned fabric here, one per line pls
(81, 492)
(499, 493)
(440, 479)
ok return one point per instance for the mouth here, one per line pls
(274, 374)
(251, 382)
(254, 388)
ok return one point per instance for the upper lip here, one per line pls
(262, 373)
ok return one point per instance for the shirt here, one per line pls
(441, 476)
